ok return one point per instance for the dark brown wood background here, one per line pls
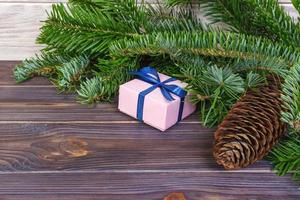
(53, 148)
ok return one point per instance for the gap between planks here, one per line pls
(260, 171)
(84, 122)
(27, 86)
(64, 1)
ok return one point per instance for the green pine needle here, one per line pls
(296, 4)
(72, 72)
(254, 80)
(214, 89)
(42, 65)
(75, 30)
(178, 2)
(256, 17)
(291, 98)
(90, 91)
(210, 44)
(286, 156)
(104, 86)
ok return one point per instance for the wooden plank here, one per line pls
(7, 79)
(154, 186)
(99, 147)
(27, 102)
(41, 94)
(66, 111)
(108, 147)
(10, 52)
(58, 1)
(38, 90)
(19, 27)
(20, 22)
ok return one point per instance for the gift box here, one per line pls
(155, 99)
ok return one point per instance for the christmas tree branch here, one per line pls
(43, 65)
(73, 29)
(291, 98)
(286, 156)
(256, 17)
(212, 44)
(296, 4)
(105, 83)
(71, 73)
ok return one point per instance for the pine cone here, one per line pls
(251, 128)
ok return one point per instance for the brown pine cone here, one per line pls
(251, 128)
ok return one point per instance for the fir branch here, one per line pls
(212, 44)
(254, 80)
(172, 20)
(178, 2)
(89, 27)
(71, 73)
(286, 156)
(296, 4)
(77, 29)
(263, 67)
(214, 89)
(291, 98)
(222, 85)
(73, 29)
(105, 84)
(91, 91)
(256, 17)
(89, 4)
(43, 65)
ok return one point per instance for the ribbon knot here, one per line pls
(150, 75)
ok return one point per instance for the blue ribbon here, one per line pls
(150, 75)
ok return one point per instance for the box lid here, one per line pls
(138, 86)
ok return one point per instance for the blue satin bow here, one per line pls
(150, 75)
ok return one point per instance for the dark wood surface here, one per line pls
(53, 148)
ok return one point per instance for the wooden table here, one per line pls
(53, 148)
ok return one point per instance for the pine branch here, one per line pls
(209, 44)
(254, 80)
(71, 73)
(162, 19)
(88, 27)
(263, 67)
(213, 88)
(90, 4)
(223, 86)
(80, 28)
(256, 17)
(286, 156)
(73, 29)
(296, 4)
(291, 98)
(105, 83)
(178, 2)
(43, 65)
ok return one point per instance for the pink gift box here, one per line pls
(158, 111)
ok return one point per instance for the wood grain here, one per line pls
(152, 186)
(7, 79)
(58, 1)
(36, 100)
(106, 147)
(61, 110)
(33, 94)
(53, 148)
(20, 21)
